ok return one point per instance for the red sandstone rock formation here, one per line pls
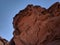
(27, 25)
(55, 9)
(36, 25)
(3, 41)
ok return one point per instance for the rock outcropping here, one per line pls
(3, 41)
(55, 9)
(36, 25)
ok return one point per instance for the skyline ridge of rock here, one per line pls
(36, 25)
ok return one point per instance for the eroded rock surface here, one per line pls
(37, 26)
(55, 9)
(3, 41)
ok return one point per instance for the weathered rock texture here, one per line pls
(55, 9)
(3, 41)
(36, 25)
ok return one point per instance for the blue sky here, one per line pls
(9, 8)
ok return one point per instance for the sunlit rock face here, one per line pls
(28, 23)
(36, 25)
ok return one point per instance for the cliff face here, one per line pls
(55, 9)
(35, 25)
(28, 24)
